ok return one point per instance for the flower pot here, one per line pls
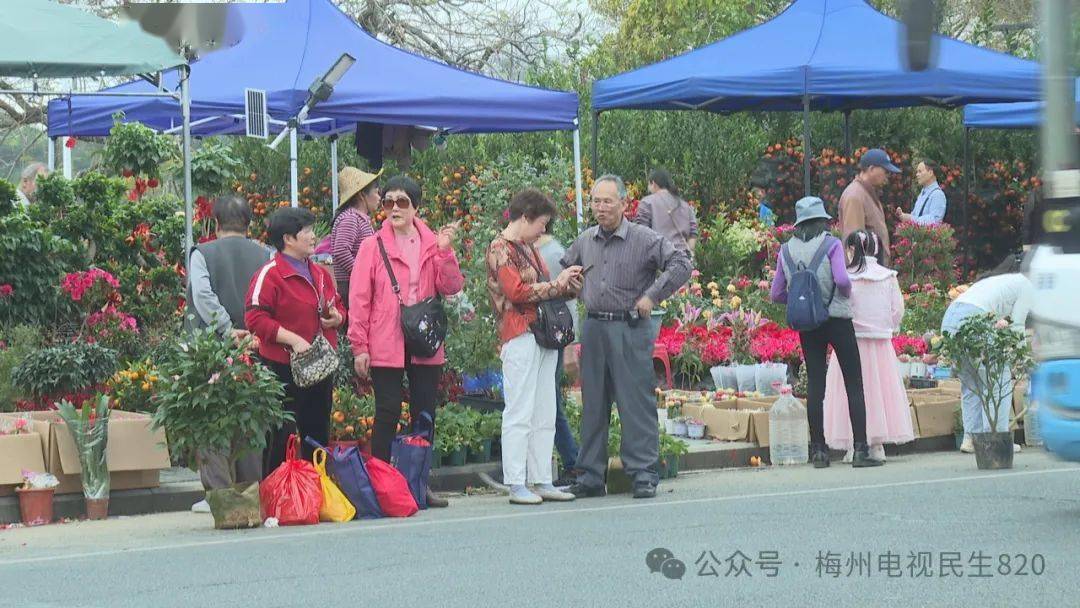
(993, 450)
(917, 369)
(235, 507)
(669, 424)
(680, 429)
(768, 377)
(695, 431)
(455, 458)
(97, 508)
(747, 377)
(668, 467)
(481, 454)
(36, 505)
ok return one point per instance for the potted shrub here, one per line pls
(89, 429)
(989, 355)
(450, 435)
(74, 371)
(214, 396)
(352, 418)
(670, 451)
(488, 427)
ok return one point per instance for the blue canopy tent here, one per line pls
(830, 55)
(1023, 115)
(288, 46)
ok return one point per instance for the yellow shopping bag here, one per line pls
(335, 506)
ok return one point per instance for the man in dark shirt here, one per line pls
(628, 269)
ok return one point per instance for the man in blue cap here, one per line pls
(860, 204)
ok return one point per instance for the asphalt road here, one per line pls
(925, 518)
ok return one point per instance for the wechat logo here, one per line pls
(663, 561)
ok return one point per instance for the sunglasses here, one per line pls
(402, 203)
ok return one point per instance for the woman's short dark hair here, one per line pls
(662, 178)
(810, 229)
(288, 221)
(232, 213)
(532, 204)
(407, 185)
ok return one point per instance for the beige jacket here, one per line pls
(861, 209)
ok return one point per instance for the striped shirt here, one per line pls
(350, 228)
(633, 261)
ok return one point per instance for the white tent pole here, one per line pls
(334, 172)
(577, 177)
(66, 157)
(294, 182)
(52, 154)
(185, 110)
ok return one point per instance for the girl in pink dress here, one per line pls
(878, 307)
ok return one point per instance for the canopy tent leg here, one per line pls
(806, 144)
(294, 181)
(595, 136)
(577, 178)
(66, 157)
(966, 238)
(334, 172)
(51, 154)
(185, 111)
(847, 133)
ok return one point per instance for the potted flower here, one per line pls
(680, 428)
(214, 396)
(89, 429)
(352, 418)
(36, 498)
(743, 324)
(671, 449)
(452, 436)
(989, 355)
(695, 429)
(774, 347)
(909, 351)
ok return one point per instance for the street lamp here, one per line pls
(319, 91)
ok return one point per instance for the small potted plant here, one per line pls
(671, 449)
(89, 429)
(451, 435)
(695, 429)
(680, 427)
(989, 356)
(214, 396)
(36, 498)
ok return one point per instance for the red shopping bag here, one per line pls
(293, 492)
(391, 488)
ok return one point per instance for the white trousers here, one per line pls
(528, 425)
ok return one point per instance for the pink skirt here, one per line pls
(888, 417)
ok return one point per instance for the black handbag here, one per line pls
(554, 326)
(424, 324)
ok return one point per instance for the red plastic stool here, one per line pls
(660, 354)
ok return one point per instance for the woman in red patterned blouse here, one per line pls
(517, 280)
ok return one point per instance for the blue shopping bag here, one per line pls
(346, 467)
(411, 455)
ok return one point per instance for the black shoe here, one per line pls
(436, 502)
(645, 491)
(580, 490)
(568, 478)
(819, 456)
(862, 458)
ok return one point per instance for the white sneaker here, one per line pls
(548, 492)
(849, 456)
(1016, 448)
(968, 446)
(201, 507)
(877, 452)
(520, 495)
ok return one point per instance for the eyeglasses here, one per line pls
(402, 202)
(603, 202)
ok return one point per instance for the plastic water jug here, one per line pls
(789, 432)
(1032, 432)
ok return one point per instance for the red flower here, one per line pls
(70, 143)
(6, 290)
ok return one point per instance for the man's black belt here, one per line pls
(608, 316)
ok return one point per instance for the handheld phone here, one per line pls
(586, 270)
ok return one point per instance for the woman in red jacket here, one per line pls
(424, 265)
(290, 300)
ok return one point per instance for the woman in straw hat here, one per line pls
(352, 223)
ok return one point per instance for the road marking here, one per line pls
(410, 523)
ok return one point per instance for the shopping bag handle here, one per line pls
(292, 447)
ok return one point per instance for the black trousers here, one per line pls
(310, 408)
(386, 382)
(840, 333)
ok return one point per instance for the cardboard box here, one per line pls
(915, 423)
(937, 418)
(1019, 396)
(135, 454)
(759, 426)
(18, 453)
(951, 386)
(727, 425)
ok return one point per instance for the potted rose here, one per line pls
(89, 429)
(214, 396)
(989, 356)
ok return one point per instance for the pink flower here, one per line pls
(214, 378)
(763, 285)
(228, 360)
(695, 273)
(6, 290)
(1001, 324)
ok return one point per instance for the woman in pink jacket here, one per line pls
(425, 265)
(878, 308)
